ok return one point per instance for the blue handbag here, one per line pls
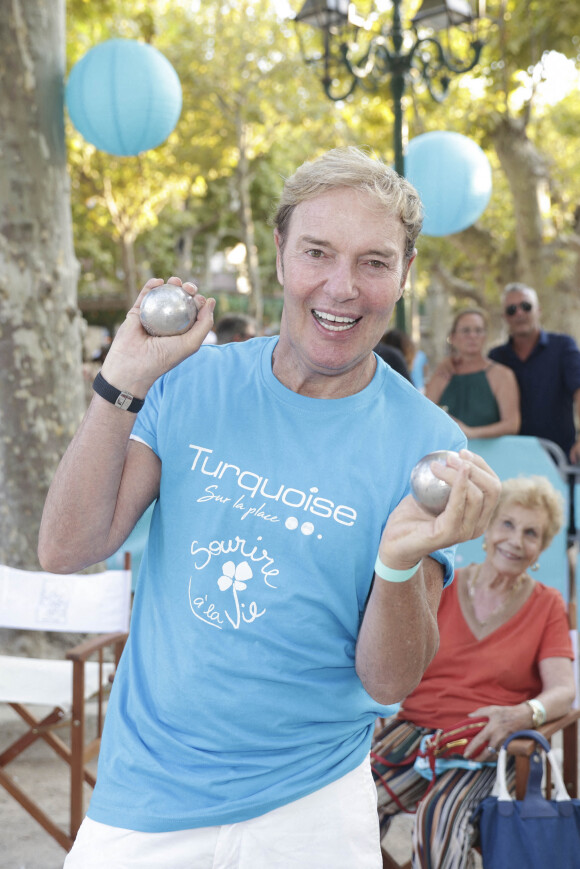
(534, 832)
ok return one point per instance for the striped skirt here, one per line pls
(443, 835)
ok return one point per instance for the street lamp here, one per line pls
(356, 55)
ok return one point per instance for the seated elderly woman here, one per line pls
(505, 655)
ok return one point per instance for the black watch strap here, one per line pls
(123, 400)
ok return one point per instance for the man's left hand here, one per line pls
(412, 532)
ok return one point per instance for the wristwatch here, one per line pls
(120, 398)
(538, 712)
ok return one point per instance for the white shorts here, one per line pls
(336, 827)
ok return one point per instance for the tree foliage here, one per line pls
(211, 185)
(529, 230)
(253, 110)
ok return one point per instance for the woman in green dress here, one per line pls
(481, 395)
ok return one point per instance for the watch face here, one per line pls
(121, 399)
(124, 400)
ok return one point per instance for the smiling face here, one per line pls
(343, 268)
(515, 538)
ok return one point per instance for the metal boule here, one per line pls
(167, 310)
(426, 488)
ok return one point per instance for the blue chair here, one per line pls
(513, 456)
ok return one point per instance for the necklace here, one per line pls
(471, 583)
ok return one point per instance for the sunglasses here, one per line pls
(511, 309)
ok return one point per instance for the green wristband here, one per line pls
(391, 575)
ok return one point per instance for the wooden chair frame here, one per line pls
(79, 751)
(78, 754)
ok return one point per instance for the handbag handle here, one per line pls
(500, 789)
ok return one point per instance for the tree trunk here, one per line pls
(127, 242)
(437, 320)
(247, 225)
(527, 175)
(546, 262)
(41, 388)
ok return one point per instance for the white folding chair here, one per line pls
(98, 605)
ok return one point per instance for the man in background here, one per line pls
(547, 368)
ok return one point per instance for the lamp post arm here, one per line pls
(476, 48)
(367, 64)
(331, 93)
(434, 65)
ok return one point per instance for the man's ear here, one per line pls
(279, 263)
(405, 275)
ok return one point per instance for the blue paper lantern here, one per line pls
(124, 97)
(453, 177)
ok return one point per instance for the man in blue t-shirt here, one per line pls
(547, 368)
(289, 589)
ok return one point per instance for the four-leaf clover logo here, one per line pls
(236, 576)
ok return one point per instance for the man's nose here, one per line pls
(342, 283)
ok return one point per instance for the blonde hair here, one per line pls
(354, 168)
(463, 312)
(534, 493)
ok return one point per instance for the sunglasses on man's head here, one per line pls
(525, 306)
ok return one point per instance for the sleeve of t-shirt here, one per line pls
(556, 642)
(145, 427)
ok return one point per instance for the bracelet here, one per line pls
(391, 575)
(120, 398)
(538, 712)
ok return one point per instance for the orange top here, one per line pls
(501, 669)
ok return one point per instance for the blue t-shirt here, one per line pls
(237, 691)
(547, 379)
